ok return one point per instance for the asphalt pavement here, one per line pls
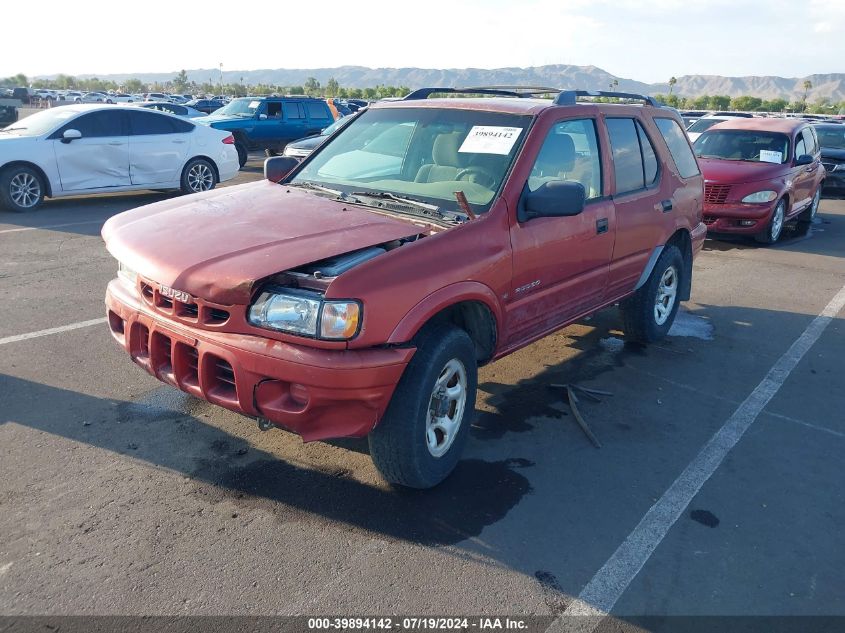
(119, 495)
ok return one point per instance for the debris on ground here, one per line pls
(592, 394)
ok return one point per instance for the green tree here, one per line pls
(332, 88)
(720, 102)
(745, 103)
(296, 90)
(312, 86)
(180, 81)
(370, 93)
(672, 82)
(133, 85)
(701, 103)
(775, 105)
(807, 85)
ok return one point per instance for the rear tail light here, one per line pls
(229, 140)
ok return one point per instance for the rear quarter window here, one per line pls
(676, 141)
(317, 110)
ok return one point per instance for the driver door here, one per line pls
(97, 160)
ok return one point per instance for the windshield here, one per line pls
(703, 124)
(426, 154)
(240, 107)
(41, 122)
(831, 136)
(747, 145)
(336, 125)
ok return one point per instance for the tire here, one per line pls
(648, 314)
(407, 448)
(809, 214)
(242, 153)
(21, 189)
(198, 175)
(774, 228)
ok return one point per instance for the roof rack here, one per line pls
(502, 91)
(564, 97)
(570, 97)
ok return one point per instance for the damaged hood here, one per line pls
(217, 245)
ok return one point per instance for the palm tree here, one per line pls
(807, 86)
(672, 82)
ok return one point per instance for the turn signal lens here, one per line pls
(229, 140)
(340, 320)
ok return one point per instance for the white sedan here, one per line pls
(82, 149)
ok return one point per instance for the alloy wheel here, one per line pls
(25, 190)
(446, 408)
(200, 178)
(667, 293)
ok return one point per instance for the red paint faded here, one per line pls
(532, 278)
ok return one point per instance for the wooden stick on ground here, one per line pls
(572, 400)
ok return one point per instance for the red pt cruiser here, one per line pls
(759, 173)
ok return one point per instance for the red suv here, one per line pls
(357, 293)
(759, 174)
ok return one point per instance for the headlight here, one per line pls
(760, 196)
(127, 274)
(307, 314)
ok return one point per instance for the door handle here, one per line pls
(115, 142)
(601, 226)
(179, 141)
(666, 205)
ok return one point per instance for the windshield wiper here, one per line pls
(386, 195)
(11, 129)
(307, 184)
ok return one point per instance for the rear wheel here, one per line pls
(198, 176)
(775, 226)
(649, 313)
(21, 188)
(423, 432)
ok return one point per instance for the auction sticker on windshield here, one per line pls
(768, 156)
(490, 139)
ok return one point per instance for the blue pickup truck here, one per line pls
(269, 123)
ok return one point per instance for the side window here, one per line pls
(570, 152)
(627, 158)
(97, 124)
(676, 141)
(317, 110)
(809, 141)
(294, 110)
(649, 157)
(800, 146)
(274, 109)
(145, 123)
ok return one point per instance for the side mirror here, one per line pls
(804, 159)
(558, 198)
(278, 167)
(262, 117)
(71, 135)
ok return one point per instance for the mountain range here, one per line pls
(825, 86)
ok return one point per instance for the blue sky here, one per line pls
(647, 41)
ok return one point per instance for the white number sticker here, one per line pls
(768, 156)
(490, 139)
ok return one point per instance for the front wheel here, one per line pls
(649, 313)
(21, 189)
(423, 432)
(198, 176)
(775, 226)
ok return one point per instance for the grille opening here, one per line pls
(164, 302)
(161, 354)
(188, 310)
(215, 315)
(140, 342)
(188, 361)
(147, 291)
(116, 324)
(716, 194)
(224, 379)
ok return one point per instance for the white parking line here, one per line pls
(52, 330)
(600, 595)
(50, 226)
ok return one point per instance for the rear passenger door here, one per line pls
(158, 147)
(560, 263)
(638, 202)
(318, 117)
(296, 124)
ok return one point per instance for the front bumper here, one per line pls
(738, 217)
(316, 393)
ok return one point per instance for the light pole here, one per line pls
(221, 77)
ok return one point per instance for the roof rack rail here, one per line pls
(570, 97)
(502, 91)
